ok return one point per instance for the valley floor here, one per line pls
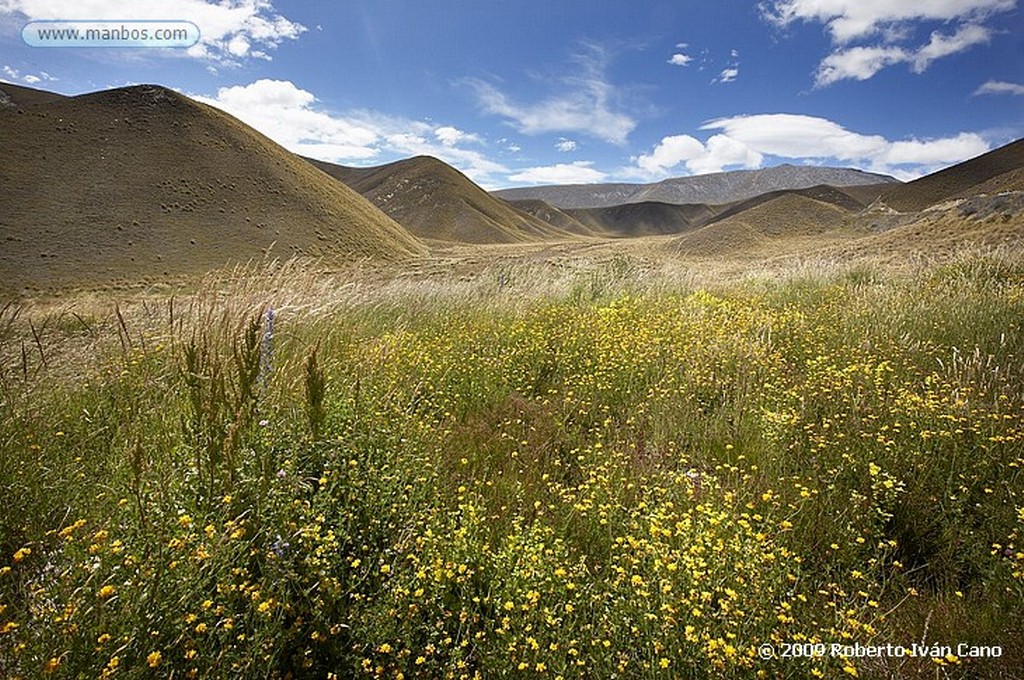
(583, 459)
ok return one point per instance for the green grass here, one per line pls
(617, 478)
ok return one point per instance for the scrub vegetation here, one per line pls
(617, 474)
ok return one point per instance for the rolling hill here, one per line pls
(556, 217)
(142, 182)
(435, 201)
(714, 188)
(979, 202)
(999, 170)
(648, 218)
(777, 222)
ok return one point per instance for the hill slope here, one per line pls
(715, 188)
(647, 218)
(556, 217)
(768, 226)
(992, 172)
(435, 201)
(141, 181)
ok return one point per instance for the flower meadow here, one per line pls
(617, 482)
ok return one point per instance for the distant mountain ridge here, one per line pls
(714, 188)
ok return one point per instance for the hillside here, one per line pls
(142, 183)
(781, 222)
(993, 221)
(996, 171)
(435, 201)
(15, 96)
(714, 188)
(556, 217)
(648, 218)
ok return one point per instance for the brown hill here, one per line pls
(976, 222)
(435, 201)
(24, 97)
(648, 218)
(836, 196)
(998, 170)
(781, 221)
(142, 182)
(556, 217)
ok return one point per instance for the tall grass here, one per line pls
(614, 471)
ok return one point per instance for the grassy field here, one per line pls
(539, 469)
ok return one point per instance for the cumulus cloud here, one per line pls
(292, 117)
(586, 103)
(1000, 87)
(718, 153)
(450, 136)
(579, 172)
(744, 142)
(14, 75)
(890, 25)
(231, 30)
(849, 20)
(680, 59)
(286, 114)
(566, 145)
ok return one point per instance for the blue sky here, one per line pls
(518, 92)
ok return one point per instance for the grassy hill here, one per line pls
(556, 217)
(764, 225)
(435, 201)
(142, 182)
(995, 171)
(648, 218)
(968, 224)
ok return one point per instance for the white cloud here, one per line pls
(849, 20)
(509, 145)
(451, 136)
(944, 45)
(229, 29)
(857, 63)
(585, 103)
(892, 24)
(566, 145)
(286, 114)
(579, 172)
(1000, 87)
(15, 75)
(935, 152)
(728, 75)
(699, 158)
(861, 63)
(807, 137)
(680, 59)
(670, 152)
(291, 117)
(744, 141)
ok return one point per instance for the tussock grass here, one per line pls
(574, 466)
